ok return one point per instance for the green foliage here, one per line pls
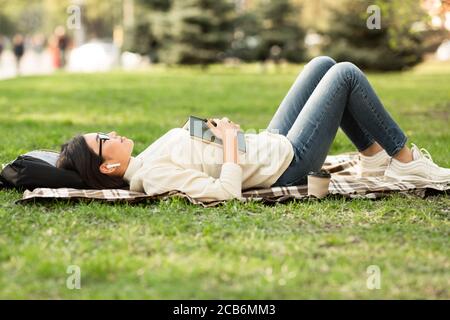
(26, 17)
(6, 25)
(195, 31)
(100, 17)
(395, 46)
(281, 30)
(247, 38)
(206, 31)
(271, 31)
(36, 16)
(141, 38)
(160, 5)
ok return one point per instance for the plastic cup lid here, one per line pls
(320, 174)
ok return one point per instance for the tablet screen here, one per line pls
(198, 128)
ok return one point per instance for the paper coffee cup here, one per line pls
(318, 183)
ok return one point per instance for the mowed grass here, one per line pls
(172, 249)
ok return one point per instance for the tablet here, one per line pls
(198, 128)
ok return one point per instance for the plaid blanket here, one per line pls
(344, 182)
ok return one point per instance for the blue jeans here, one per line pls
(325, 96)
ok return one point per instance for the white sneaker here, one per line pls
(422, 168)
(373, 166)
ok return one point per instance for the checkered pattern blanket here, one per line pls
(344, 182)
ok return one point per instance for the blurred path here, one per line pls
(32, 63)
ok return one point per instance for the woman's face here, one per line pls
(117, 149)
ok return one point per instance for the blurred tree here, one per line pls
(160, 5)
(147, 14)
(34, 16)
(100, 17)
(6, 25)
(21, 16)
(314, 14)
(195, 31)
(281, 35)
(247, 38)
(396, 45)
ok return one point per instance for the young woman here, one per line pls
(325, 96)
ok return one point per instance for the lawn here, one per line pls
(174, 250)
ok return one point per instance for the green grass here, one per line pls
(171, 249)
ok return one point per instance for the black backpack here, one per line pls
(37, 169)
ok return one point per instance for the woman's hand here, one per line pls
(226, 130)
(223, 127)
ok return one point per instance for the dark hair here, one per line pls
(77, 156)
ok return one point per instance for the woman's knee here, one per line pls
(345, 67)
(323, 60)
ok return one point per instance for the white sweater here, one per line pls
(178, 162)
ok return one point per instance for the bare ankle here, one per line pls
(372, 150)
(404, 155)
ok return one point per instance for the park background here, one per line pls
(93, 35)
(140, 67)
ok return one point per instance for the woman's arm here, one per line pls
(230, 143)
(227, 131)
(168, 176)
(199, 185)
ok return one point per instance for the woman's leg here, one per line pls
(299, 93)
(343, 98)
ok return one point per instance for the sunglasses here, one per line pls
(101, 137)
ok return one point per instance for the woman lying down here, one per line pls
(325, 96)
